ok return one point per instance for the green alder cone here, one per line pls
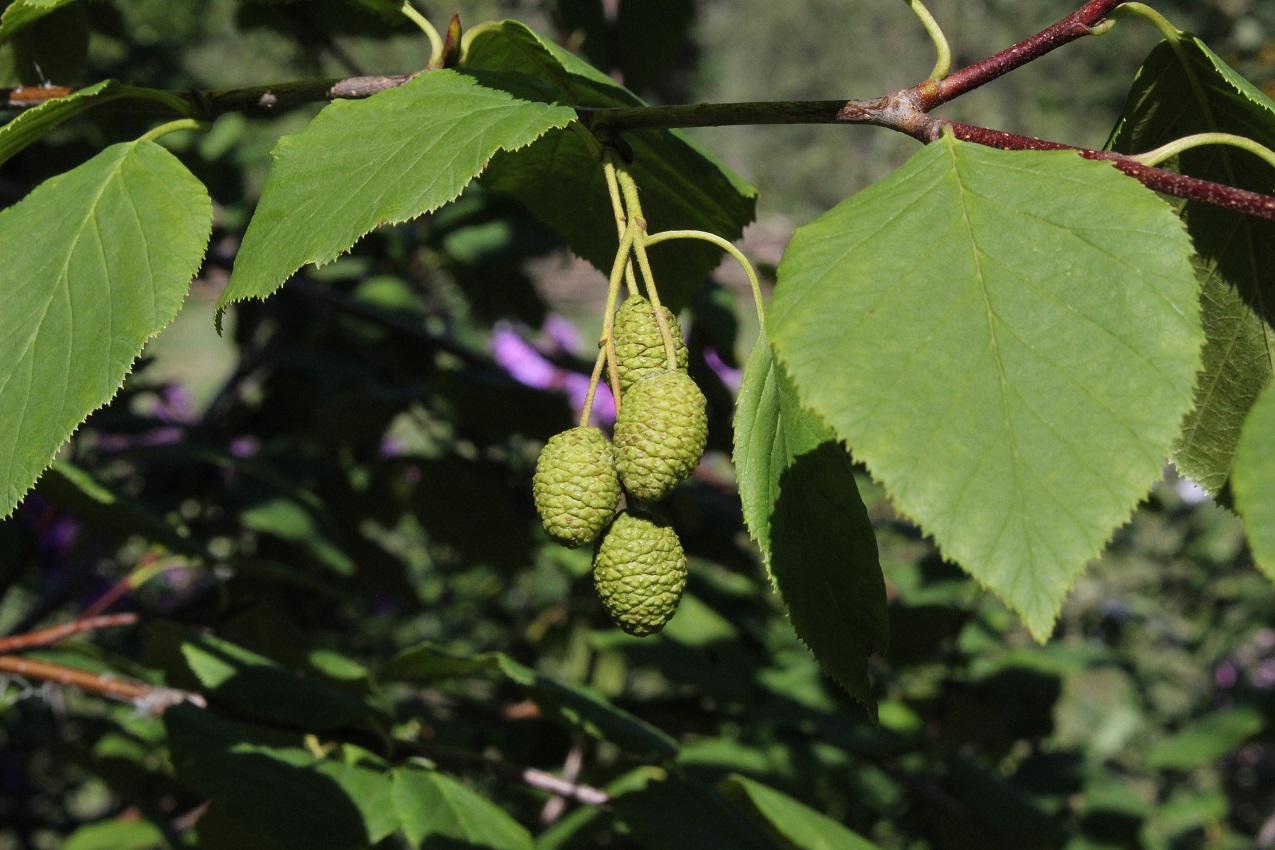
(660, 433)
(575, 486)
(639, 570)
(639, 345)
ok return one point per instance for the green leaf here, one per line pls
(22, 13)
(1009, 341)
(370, 790)
(1182, 89)
(803, 827)
(392, 157)
(97, 261)
(110, 511)
(1254, 481)
(43, 43)
(260, 688)
(31, 124)
(574, 705)
(559, 178)
(303, 522)
(1016, 817)
(430, 804)
(1206, 740)
(116, 835)
(803, 508)
(295, 797)
(676, 814)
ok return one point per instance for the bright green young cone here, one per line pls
(639, 570)
(576, 488)
(639, 345)
(660, 434)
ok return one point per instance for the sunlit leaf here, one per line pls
(1206, 740)
(803, 827)
(22, 13)
(261, 688)
(121, 834)
(431, 805)
(392, 157)
(30, 124)
(574, 705)
(678, 814)
(295, 797)
(1009, 341)
(96, 262)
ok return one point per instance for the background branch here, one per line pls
(149, 699)
(54, 634)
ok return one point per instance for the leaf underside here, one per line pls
(559, 178)
(1254, 481)
(1009, 341)
(1178, 92)
(803, 508)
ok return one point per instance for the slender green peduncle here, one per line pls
(157, 133)
(704, 236)
(633, 208)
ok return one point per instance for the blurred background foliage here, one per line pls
(346, 474)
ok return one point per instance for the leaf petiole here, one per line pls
(435, 40)
(1177, 146)
(156, 133)
(943, 65)
(1142, 10)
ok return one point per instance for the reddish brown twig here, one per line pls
(1167, 182)
(148, 699)
(905, 111)
(25, 97)
(1076, 25)
(54, 634)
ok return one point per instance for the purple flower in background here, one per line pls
(527, 365)
(1225, 675)
(1255, 659)
(243, 446)
(55, 532)
(170, 405)
(730, 376)
(561, 334)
